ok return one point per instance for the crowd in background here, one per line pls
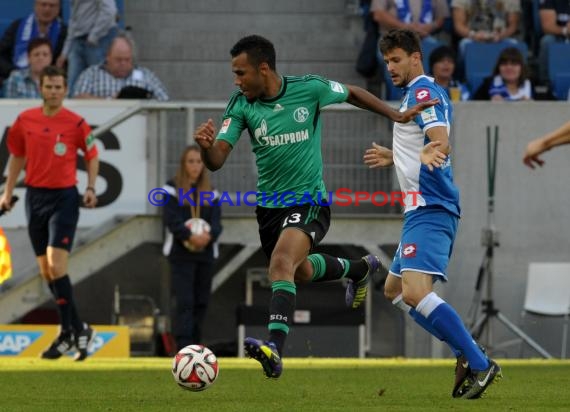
(526, 28)
(99, 57)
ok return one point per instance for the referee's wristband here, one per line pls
(91, 188)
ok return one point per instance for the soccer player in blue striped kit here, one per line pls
(420, 154)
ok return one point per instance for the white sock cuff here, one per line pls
(400, 304)
(428, 304)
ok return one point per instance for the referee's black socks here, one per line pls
(63, 293)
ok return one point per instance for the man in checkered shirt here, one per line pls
(118, 71)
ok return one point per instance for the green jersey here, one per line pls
(285, 135)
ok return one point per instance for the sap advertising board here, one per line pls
(122, 181)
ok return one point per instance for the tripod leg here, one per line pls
(478, 326)
(517, 331)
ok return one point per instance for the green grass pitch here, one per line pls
(146, 384)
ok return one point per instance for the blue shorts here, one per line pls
(427, 242)
(52, 217)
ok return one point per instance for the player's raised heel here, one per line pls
(356, 291)
(266, 354)
(462, 371)
(480, 381)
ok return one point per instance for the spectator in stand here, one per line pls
(92, 27)
(442, 67)
(118, 72)
(424, 17)
(44, 22)
(555, 22)
(25, 83)
(509, 81)
(485, 21)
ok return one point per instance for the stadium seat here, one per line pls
(427, 48)
(559, 69)
(480, 60)
(12, 10)
(548, 293)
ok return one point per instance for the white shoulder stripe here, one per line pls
(170, 190)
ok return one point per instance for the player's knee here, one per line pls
(392, 287)
(281, 267)
(56, 270)
(391, 293)
(304, 272)
(412, 297)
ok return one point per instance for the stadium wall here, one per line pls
(187, 43)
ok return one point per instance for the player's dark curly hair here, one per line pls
(258, 49)
(407, 40)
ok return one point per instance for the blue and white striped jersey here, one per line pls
(437, 187)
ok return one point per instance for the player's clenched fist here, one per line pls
(205, 134)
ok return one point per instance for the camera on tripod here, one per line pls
(490, 237)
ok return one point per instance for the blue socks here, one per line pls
(423, 322)
(447, 322)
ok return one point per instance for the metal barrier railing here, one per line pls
(346, 133)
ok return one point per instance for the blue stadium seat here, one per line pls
(559, 69)
(427, 48)
(481, 58)
(12, 10)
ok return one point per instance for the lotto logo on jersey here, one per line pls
(422, 95)
(409, 250)
(336, 87)
(225, 125)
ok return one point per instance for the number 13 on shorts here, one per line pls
(292, 218)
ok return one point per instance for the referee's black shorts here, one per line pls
(52, 217)
(314, 220)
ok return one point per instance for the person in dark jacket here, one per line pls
(192, 220)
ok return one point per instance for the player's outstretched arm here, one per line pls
(378, 156)
(541, 144)
(359, 97)
(214, 152)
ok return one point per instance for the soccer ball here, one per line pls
(195, 368)
(197, 226)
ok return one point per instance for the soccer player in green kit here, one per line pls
(282, 115)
